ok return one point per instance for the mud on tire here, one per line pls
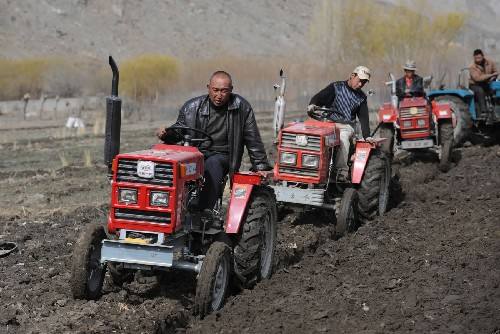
(255, 246)
(87, 274)
(348, 217)
(373, 192)
(213, 280)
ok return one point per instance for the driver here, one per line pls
(347, 101)
(411, 85)
(482, 71)
(230, 121)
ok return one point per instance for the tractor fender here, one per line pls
(387, 113)
(242, 186)
(361, 156)
(443, 111)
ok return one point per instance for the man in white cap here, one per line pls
(411, 84)
(347, 100)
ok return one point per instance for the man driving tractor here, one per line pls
(482, 71)
(411, 84)
(230, 121)
(347, 101)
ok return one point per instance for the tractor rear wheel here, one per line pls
(87, 274)
(446, 145)
(213, 280)
(254, 249)
(387, 146)
(373, 191)
(348, 217)
(462, 129)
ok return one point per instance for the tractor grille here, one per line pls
(127, 172)
(313, 142)
(299, 171)
(406, 113)
(145, 216)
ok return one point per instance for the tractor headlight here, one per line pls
(158, 198)
(421, 123)
(311, 161)
(288, 158)
(127, 196)
(407, 124)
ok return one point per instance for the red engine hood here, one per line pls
(311, 127)
(413, 102)
(166, 152)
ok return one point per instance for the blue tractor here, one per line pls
(466, 115)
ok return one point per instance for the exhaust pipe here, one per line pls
(392, 84)
(279, 107)
(113, 120)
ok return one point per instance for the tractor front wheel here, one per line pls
(254, 249)
(387, 146)
(373, 191)
(348, 218)
(446, 144)
(213, 280)
(87, 274)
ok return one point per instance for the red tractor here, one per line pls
(305, 173)
(153, 225)
(415, 123)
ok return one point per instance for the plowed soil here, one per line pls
(430, 265)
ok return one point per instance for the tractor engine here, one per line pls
(150, 188)
(414, 118)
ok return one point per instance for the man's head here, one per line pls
(410, 67)
(359, 77)
(220, 87)
(478, 56)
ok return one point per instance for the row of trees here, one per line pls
(343, 33)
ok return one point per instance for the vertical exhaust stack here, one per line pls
(279, 106)
(392, 84)
(113, 119)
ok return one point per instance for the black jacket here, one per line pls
(242, 130)
(416, 89)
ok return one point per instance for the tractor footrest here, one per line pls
(123, 252)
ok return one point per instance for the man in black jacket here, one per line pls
(229, 119)
(347, 101)
(411, 85)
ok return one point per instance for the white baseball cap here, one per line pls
(362, 72)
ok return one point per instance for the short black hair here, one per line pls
(224, 73)
(478, 52)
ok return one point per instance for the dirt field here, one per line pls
(429, 266)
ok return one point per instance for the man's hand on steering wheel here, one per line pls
(187, 137)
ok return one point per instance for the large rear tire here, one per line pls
(373, 191)
(348, 217)
(87, 274)
(213, 280)
(446, 143)
(462, 130)
(255, 247)
(387, 146)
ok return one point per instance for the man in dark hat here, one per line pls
(410, 85)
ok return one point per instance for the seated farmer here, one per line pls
(347, 101)
(410, 85)
(481, 71)
(229, 119)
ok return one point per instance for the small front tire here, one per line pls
(213, 280)
(348, 218)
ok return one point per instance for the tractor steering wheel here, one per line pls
(188, 140)
(323, 116)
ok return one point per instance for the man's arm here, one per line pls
(477, 76)
(399, 88)
(254, 144)
(417, 88)
(324, 97)
(364, 119)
